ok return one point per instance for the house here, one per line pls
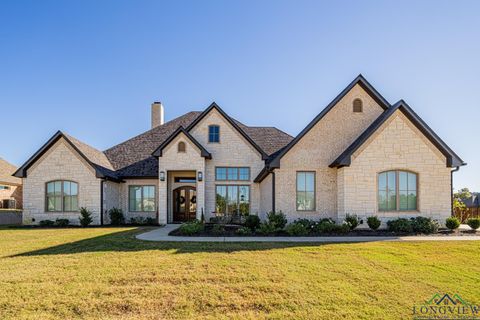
(10, 187)
(359, 155)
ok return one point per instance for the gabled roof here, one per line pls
(95, 158)
(362, 82)
(232, 122)
(204, 153)
(453, 160)
(6, 171)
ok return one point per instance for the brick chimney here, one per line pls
(157, 114)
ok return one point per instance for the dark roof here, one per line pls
(203, 151)
(452, 159)
(362, 82)
(472, 202)
(94, 157)
(6, 171)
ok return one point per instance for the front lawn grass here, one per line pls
(105, 273)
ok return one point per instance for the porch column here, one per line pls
(162, 198)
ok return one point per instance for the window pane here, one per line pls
(221, 173)
(244, 199)
(74, 188)
(392, 200)
(310, 181)
(221, 199)
(309, 201)
(74, 200)
(214, 134)
(66, 188)
(412, 201)
(244, 174)
(391, 181)
(301, 199)
(402, 180)
(382, 200)
(382, 181)
(301, 181)
(232, 173)
(50, 204)
(58, 203)
(67, 204)
(232, 199)
(403, 199)
(50, 189)
(412, 182)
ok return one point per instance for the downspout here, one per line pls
(273, 191)
(451, 187)
(101, 201)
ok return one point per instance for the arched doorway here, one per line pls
(184, 204)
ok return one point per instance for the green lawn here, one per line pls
(106, 273)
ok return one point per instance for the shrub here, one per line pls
(46, 223)
(191, 228)
(61, 222)
(352, 220)
(150, 221)
(474, 223)
(341, 228)
(424, 225)
(324, 226)
(85, 217)
(244, 231)
(373, 222)
(400, 225)
(452, 223)
(252, 222)
(277, 219)
(296, 229)
(266, 228)
(308, 224)
(218, 229)
(116, 216)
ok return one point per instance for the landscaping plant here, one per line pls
(61, 222)
(352, 220)
(116, 216)
(424, 225)
(85, 217)
(474, 223)
(452, 223)
(277, 219)
(400, 225)
(243, 231)
(191, 228)
(46, 223)
(218, 229)
(373, 222)
(252, 222)
(266, 228)
(296, 229)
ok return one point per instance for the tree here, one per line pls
(85, 217)
(462, 194)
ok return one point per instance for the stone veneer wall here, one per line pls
(124, 198)
(60, 162)
(317, 149)
(15, 192)
(265, 196)
(232, 151)
(397, 145)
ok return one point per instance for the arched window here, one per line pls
(61, 196)
(397, 191)
(181, 146)
(357, 105)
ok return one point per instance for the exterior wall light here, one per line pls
(199, 176)
(162, 175)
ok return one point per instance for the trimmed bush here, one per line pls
(343, 228)
(400, 225)
(277, 219)
(150, 221)
(324, 226)
(308, 224)
(218, 229)
(296, 229)
(191, 228)
(62, 222)
(46, 223)
(252, 222)
(373, 222)
(116, 216)
(452, 223)
(85, 217)
(266, 228)
(352, 221)
(243, 231)
(474, 223)
(424, 225)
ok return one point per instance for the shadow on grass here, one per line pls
(125, 241)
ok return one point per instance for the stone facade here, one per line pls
(317, 149)
(60, 162)
(13, 192)
(397, 145)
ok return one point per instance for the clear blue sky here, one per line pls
(92, 68)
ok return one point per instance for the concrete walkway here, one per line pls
(161, 234)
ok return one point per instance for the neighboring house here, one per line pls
(10, 187)
(360, 155)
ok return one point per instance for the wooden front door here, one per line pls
(184, 204)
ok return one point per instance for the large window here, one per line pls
(233, 199)
(141, 198)
(62, 196)
(232, 174)
(305, 191)
(397, 190)
(213, 133)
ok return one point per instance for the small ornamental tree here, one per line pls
(85, 217)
